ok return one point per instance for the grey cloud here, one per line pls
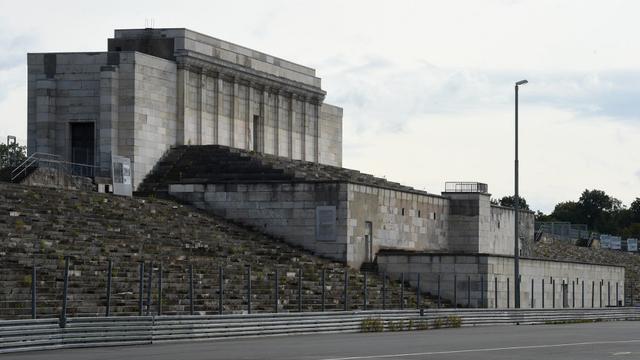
(379, 94)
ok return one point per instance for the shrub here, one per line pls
(438, 323)
(371, 325)
(454, 321)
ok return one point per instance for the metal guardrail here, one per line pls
(46, 334)
(468, 187)
(40, 159)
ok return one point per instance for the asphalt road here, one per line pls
(611, 340)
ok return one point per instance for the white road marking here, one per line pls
(387, 356)
(622, 353)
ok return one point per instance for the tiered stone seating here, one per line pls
(221, 164)
(45, 225)
(562, 251)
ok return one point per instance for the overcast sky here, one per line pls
(426, 86)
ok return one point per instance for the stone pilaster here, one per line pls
(235, 103)
(292, 114)
(108, 120)
(45, 116)
(276, 122)
(181, 94)
(303, 130)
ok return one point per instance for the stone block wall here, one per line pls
(487, 277)
(501, 231)
(400, 220)
(330, 135)
(476, 226)
(285, 210)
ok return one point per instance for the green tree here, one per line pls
(509, 201)
(570, 211)
(598, 210)
(12, 154)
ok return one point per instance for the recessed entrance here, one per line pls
(83, 148)
(368, 241)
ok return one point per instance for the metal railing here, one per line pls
(468, 187)
(46, 334)
(92, 288)
(52, 161)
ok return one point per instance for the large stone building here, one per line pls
(247, 136)
(155, 88)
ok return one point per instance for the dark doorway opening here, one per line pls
(82, 148)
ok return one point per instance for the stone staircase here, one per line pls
(210, 164)
(45, 225)
(559, 250)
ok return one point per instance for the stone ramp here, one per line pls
(215, 164)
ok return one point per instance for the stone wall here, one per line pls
(400, 220)
(476, 226)
(285, 210)
(330, 133)
(479, 274)
(164, 87)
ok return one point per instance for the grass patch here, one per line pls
(371, 325)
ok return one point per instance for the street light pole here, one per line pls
(516, 244)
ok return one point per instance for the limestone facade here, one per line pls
(156, 88)
(483, 279)
(365, 219)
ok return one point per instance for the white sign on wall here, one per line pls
(632, 244)
(615, 242)
(604, 241)
(121, 175)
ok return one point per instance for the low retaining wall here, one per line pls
(46, 334)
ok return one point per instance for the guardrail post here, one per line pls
(402, 291)
(418, 293)
(149, 282)
(249, 289)
(495, 292)
(34, 281)
(468, 291)
(573, 294)
(384, 291)
(553, 292)
(65, 288)
(542, 288)
(220, 290)
(160, 289)
(532, 297)
(346, 289)
(617, 298)
(191, 300)
(632, 286)
(582, 296)
(508, 294)
(455, 291)
(481, 291)
(140, 286)
(364, 292)
(109, 274)
(601, 284)
(439, 298)
(322, 301)
(608, 293)
(275, 291)
(299, 289)
(593, 293)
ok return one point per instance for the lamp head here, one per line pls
(521, 82)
